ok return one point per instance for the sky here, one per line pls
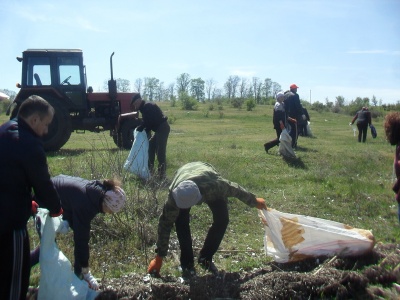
(329, 48)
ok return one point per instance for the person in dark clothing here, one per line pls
(82, 200)
(23, 171)
(193, 184)
(154, 120)
(302, 124)
(294, 111)
(278, 119)
(363, 118)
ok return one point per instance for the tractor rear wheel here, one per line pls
(59, 129)
(124, 138)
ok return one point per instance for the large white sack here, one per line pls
(138, 158)
(57, 278)
(291, 237)
(285, 144)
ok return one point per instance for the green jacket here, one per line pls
(212, 188)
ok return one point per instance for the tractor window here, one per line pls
(69, 72)
(38, 71)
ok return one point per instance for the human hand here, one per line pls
(261, 203)
(93, 284)
(34, 208)
(155, 266)
(292, 120)
(64, 227)
(350, 123)
(59, 213)
(282, 125)
(303, 117)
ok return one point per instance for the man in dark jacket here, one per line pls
(23, 169)
(294, 111)
(153, 119)
(196, 183)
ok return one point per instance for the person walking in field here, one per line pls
(82, 200)
(193, 184)
(294, 111)
(363, 118)
(154, 120)
(278, 119)
(392, 131)
(23, 171)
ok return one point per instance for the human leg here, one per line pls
(15, 268)
(161, 147)
(216, 232)
(360, 130)
(185, 238)
(364, 132)
(152, 153)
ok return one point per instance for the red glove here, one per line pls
(34, 208)
(57, 214)
(155, 266)
(261, 203)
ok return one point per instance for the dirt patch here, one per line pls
(372, 276)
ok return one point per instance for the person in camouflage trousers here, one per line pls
(193, 184)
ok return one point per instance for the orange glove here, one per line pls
(292, 120)
(155, 266)
(261, 203)
(57, 214)
(34, 208)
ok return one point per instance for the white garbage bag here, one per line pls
(138, 158)
(290, 237)
(285, 145)
(309, 131)
(57, 278)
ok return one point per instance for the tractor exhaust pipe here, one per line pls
(112, 84)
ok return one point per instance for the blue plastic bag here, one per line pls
(138, 158)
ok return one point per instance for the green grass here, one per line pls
(334, 177)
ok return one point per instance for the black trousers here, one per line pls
(362, 131)
(214, 236)
(158, 146)
(293, 133)
(15, 265)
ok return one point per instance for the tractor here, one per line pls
(59, 76)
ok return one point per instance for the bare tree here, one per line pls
(182, 83)
(276, 87)
(123, 85)
(138, 85)
(151, 87)
(231, 86)
(210, 85)
(267, 87)
(243, 88)
(257, 88)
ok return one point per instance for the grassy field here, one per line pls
(334, 177)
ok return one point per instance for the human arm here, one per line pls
(354, 119)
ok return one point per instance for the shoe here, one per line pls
(267, 147)
(208, 265)
(188, 273)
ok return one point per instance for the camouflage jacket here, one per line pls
(212, 188)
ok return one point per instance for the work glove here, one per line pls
(292, 120)
(57, 214)
(155, 266)
(282, 126)
(350, 123)
(140, 128)
(34, 208)
(63, 228)
(261, 203)
(93, 284)
(303, 117)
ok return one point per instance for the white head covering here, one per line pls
(279, 95)
(186, 194)
(115, 199)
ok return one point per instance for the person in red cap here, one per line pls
(294, 111)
